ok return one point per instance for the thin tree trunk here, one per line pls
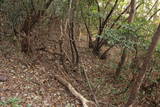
(137, 84)
(88, 31)
(97, 48)
(124, 53)
(155, 13)
(100, 19)
(154, 5)
(155, 9)
(132, 11)
(119, 16)
(74, 51)
(139, 5)
(103, 56)
(121, 63)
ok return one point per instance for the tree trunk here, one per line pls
(25, 45)
(121, 63)
(124, 53)
(137, 84)
(71, 34)
(90, 42)
(103, 56)
(32, 18)
(97, 45)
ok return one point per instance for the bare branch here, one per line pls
(119, 16)
(152, 7)
(154, 14)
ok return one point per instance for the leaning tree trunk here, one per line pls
(137, 84)
(124, 53)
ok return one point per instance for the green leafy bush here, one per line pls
(126, 36)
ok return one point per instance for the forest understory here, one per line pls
(29, 80)
(79, 53)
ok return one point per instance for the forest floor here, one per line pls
(29, 79)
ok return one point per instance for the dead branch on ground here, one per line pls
(91, 89)
(84, 101)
